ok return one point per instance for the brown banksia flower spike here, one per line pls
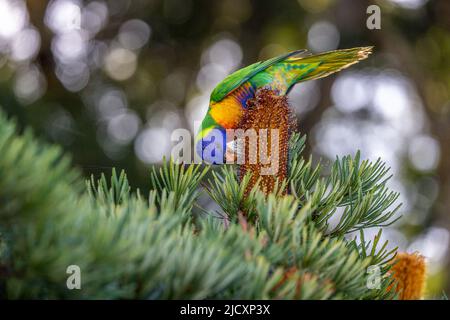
(268, 124)
(409, 274)
(301, 280)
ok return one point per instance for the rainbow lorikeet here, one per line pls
(228, 101)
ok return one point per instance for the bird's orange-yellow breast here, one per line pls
(227, 112)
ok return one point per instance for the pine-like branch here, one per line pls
(131, 246)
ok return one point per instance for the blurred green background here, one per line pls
(110, 80)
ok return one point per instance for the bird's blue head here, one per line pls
(210, 144)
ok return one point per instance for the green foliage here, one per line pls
(130, 246)
(357, 187)
(176, 178)
(107, 197)
(229, 193)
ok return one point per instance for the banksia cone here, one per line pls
(302, 282)
(409, 273)
(289, 274)
(271, 120)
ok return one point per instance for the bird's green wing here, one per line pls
(237, 78)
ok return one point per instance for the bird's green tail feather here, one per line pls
(326, 63)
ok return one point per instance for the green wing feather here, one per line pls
(329, 62)
(237, 78)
